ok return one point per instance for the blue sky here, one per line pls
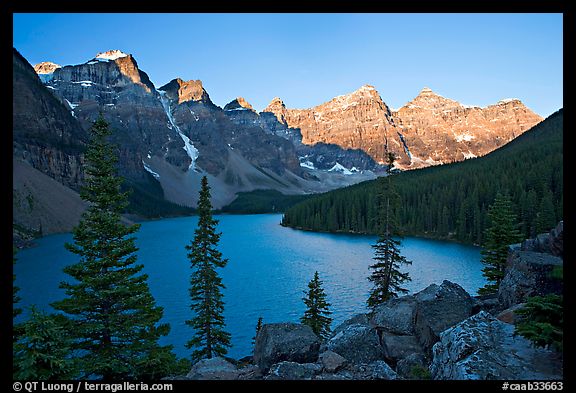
(307, 59)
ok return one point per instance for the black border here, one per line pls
(300, 6)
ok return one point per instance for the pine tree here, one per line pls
(205, 284)
(316, 314)
(498, 236)
(43, 351)
(115, 322)
(542, 321)
(258, 328)
(386, 276)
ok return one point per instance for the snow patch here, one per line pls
(111, 55)
(307, 164)
(464, 137)
(73, 106)
(469, 155)
(507, 100)
(188, 145)
(156, 176)
(339, 168)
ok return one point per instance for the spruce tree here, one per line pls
(386, 277)
(209, 338)
(258, 328)
(498, 236)
(114, 319)
(43, 350)
(316, 314)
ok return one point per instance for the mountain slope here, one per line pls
(451, 201)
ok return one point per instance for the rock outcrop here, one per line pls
(531, 268)
(482, 347)
(289, 342)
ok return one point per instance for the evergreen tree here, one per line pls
(43, 351)
(258, 328)
(205, 284)
(316, 314)
(498, 236)
(542, 321)
(386, 276)
(114, 320)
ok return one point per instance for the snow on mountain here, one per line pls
(339, 168)
(110, 55)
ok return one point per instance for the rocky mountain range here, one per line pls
(171, 136)
(429, 130)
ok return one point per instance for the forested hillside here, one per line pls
(451, 201)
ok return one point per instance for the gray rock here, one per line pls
(528, 273)
(396, 315)
(397, 347)
(482, 347)
(509, 315)
(331, 361)
(279, 342)
(439, 307)
(375, 370)
(216, 368)
(357, 343)
(557, 240)
(407, 366)
(293, 371)
(358, 319)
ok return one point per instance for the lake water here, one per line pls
(267, 273)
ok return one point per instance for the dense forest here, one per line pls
(451, 201)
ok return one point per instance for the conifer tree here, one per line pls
(258, 328)
(386, 277)
(43, 350)
(114, 319)
(209, 338)
(499, 235)
(316, 314)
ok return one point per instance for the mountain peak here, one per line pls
(238, 103)
(182, 91)
(46, 67)
(111, 55)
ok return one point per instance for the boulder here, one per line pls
(277, 342)
(397, 347)
(357, 343)
(378, 369)
(293, 371)
(412, 366)
(358, 319)
(509, 315)
(331, 362)
(482, 347)
(529, 273)
(216, 368)
(440, 307)
(396, 315)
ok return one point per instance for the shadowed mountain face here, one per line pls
(167, 139)
(429, 130)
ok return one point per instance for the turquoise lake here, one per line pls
(267, 273)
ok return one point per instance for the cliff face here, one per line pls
(440, 130)
(360, 120)
(429, 130)
(44, 134)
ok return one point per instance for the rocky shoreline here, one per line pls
(439, 333)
